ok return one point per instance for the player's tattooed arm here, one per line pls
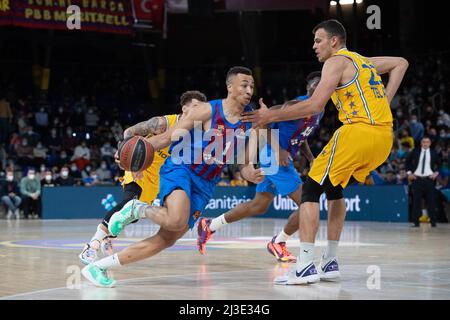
(154, 126)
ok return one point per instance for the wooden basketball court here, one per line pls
(39, 260)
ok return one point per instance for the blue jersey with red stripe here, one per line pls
(294, 132)
(210, 151)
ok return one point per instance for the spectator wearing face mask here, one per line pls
(91, 119)
(443, 119)
(24, 153)
(82, 155)
(30, 188)
(32, 137)
(75, 173)
(41, 119)
(86, 172)
(62, 159)
(69, 141)
(47, 179)
(107, 152)
(417, 130)
(64, 179)
(104, 174)
(40, 154)
(91, 180)
(9, 193)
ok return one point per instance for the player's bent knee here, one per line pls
(311, 191)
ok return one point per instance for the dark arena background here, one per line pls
(69, 89)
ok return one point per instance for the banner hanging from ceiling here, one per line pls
(111, 16)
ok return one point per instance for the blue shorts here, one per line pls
(284, 182)
(199, 190)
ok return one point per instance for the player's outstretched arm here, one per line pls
(154, 126)
(396, 68)
(199, 114)
(331, 76)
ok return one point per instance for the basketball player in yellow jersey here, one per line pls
(146, 186)
(359, 146)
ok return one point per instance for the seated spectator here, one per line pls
(107, 153)
(224, 180)
(54, 143)
(402, 177)
(376, 178)
(92, 180)
(406, 137)
(75, 173)
(47, 180)
(30, 188)
(14, 143)
(82, 155)
(406, 150)
(41, 119)
(417, 130)
(25, 153)
(41, 174)
(64, 179)
(32, 137)
(62, 159)
(104, 174)
(69, 141)
(390, 178)
(9, 194)
(40, 154)
(91, 119)
(86, 172)
(238, 181)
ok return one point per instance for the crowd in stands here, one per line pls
(69, 138)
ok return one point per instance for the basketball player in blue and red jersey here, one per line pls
(286, 182)
(189, 175)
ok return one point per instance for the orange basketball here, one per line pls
(135, 154)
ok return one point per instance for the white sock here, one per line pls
(140, 207)
(108, 262)
(331, 250)
(218, 223)
(282, 237)
(99, 235)
(306, 252)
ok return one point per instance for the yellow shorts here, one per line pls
(149, 185)
(354, 150)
